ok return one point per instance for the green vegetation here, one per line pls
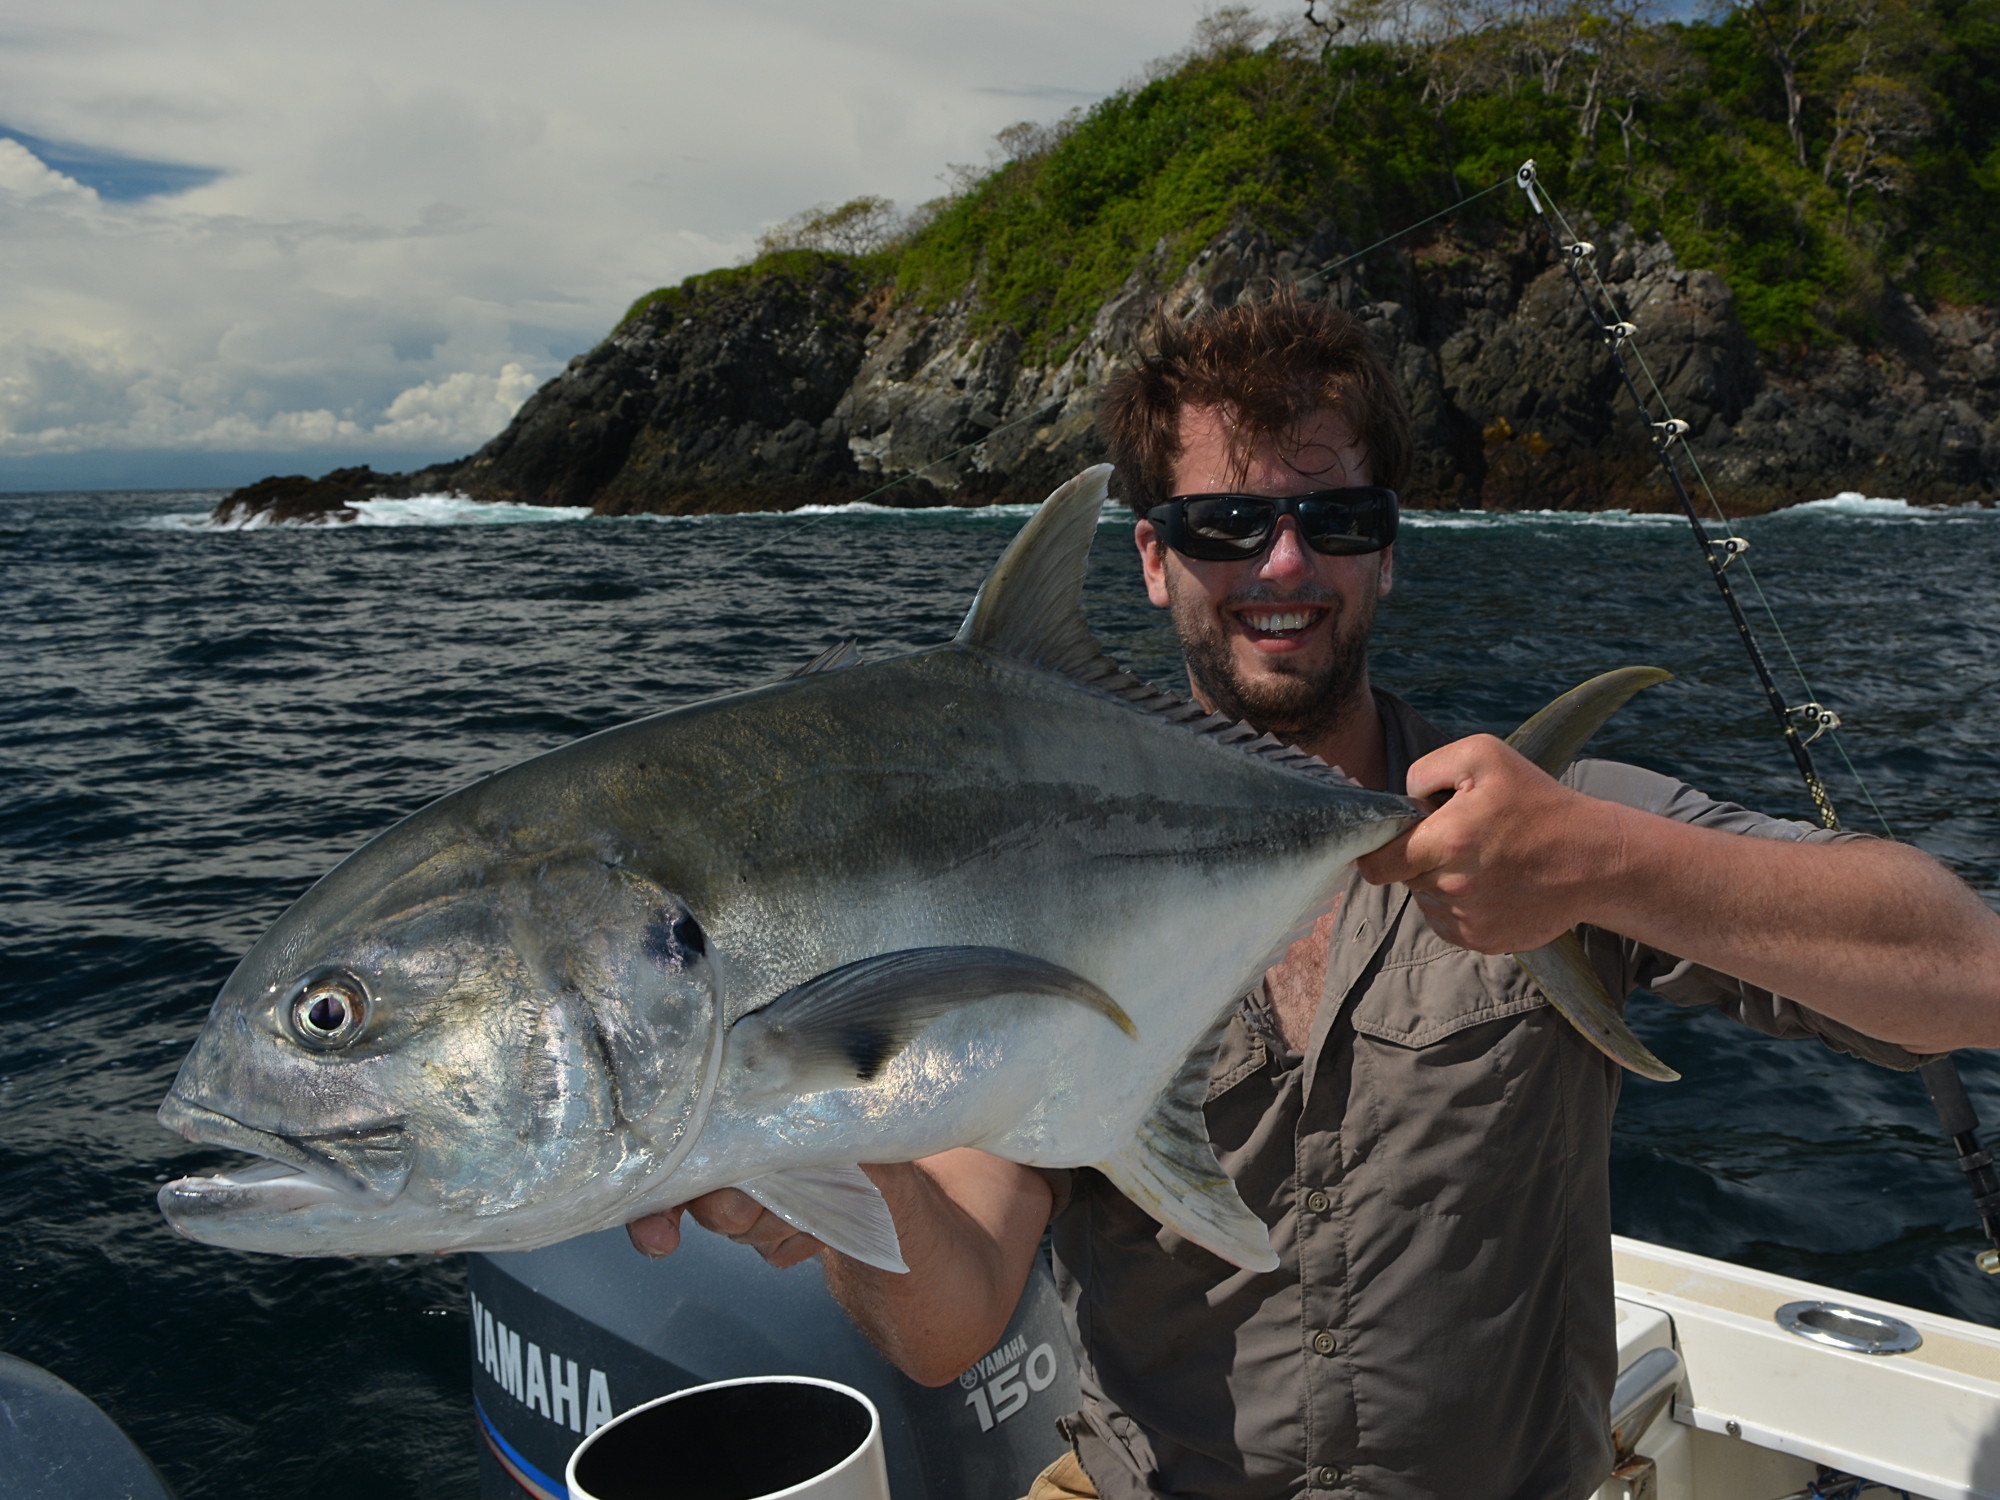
(1819, 154)
(792, 263)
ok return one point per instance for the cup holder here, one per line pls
(1849, 1328)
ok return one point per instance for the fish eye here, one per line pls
(329, 1011)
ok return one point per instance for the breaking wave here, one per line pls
(416, 510)
(1851, 503)
(1466, 520)
(459, 510)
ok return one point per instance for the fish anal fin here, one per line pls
(1563, 972)
(838, 1206)
(840, 1029)
(1171, 1172)
(1552, 737)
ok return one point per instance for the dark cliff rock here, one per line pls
(294, 499)
(716, 397)
(778, 385)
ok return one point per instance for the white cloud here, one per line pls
(423, 210)
(461, 409)
(23, 176)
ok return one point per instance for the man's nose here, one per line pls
(1286, 560)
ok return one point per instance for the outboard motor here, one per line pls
(566, 1338)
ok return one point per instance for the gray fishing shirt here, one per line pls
(1434, 1170)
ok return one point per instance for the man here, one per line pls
(1426, 1138)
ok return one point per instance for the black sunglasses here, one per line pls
(1228, 528)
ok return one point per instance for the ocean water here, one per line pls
(195, 724)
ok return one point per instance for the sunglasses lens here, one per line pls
(1225, 526)
(1338, 527)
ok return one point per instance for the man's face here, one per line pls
(1281, 639)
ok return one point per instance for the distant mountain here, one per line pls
(1797, 205)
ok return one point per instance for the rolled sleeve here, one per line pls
(1690, 984)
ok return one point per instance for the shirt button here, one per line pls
(1318, 1201)
(1324, 1342)
(1326, 1476)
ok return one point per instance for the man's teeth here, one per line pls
(1272, 624)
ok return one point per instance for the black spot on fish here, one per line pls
(868, 1049)
(675, 940)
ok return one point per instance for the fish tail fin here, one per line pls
(1563, 973)
(1552, 737)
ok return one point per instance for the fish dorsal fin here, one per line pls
(1171, 1172)
(837, 1206)
(1031, 609)
(1031, 605)
(832, 659)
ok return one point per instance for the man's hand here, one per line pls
(1508, 858)
(732, 1213)
(970, 1226)
(1872, 933)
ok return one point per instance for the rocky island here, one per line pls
(1811, 274)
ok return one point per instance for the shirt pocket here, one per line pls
(1457, 1077)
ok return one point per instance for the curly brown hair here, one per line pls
(1269, 365)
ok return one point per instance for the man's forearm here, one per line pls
(1874, 934)
(969, 1224)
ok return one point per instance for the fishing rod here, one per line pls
(1802, 723)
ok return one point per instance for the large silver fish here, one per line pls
(994, 894)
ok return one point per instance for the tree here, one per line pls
(856, 227)
(1452, 42)
(1873, 116)
(1787, 31)
(1649, 65)
(1872, 72)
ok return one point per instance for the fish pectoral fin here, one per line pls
(1552, 737)
(1171, 1172)
(838, 1206)
(1564, 974)
(840, 1029)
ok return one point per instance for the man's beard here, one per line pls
(1301, 706)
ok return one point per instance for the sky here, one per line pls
(243, 238)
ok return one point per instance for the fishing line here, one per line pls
(1940, 1074)
(1409, 229)
(1740, 554)
(1668, 430)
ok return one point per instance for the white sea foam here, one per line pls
(1873, 508)
(415, 510)
(1468, 520)
(861, 508)
(459, 510)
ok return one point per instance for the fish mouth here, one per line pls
(359, 1168)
